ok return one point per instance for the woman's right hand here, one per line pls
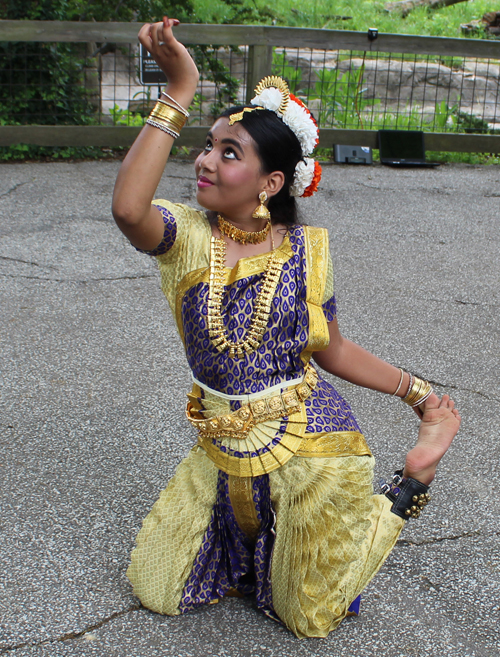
(173, 59)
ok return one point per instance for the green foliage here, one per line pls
(44, 84)
(19, 152)
(96, 10)
(464, 158)
(291, 74)
(342, 97)
(213, 69)
(444, 115)
(469, 123)
(126, 117)
(54, 84)
(356, 15)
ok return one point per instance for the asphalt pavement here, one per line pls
(93, 388)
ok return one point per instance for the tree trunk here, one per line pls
(405, 6)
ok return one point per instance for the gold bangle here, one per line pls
(169, 119)
(419, 391)
(173, 126)
(415, 392)
(168, 113)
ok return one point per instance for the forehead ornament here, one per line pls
(239, 115)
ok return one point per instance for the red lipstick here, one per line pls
(204, 182)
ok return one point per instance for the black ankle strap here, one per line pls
(408, 495)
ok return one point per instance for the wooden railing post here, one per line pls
(260, 60)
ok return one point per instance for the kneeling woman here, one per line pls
(276, 497)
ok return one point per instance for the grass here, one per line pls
(356, 15)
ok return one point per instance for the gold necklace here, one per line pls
(258, 324)
(242, 236)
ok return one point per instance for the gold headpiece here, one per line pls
(270, 81)
(278, 83)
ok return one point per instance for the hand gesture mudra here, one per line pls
(172, 57)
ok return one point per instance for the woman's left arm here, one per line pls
(350, 362)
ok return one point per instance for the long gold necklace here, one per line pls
(258, 324)
(243, 236)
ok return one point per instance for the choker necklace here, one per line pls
(242, 236)
(258, 323)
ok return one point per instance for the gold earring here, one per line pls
(261, 212)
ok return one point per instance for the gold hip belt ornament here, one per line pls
(238, 423)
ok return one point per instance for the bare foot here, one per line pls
(440, 424)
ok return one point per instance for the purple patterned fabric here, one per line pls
(278, 358)
(327, 411)
(330, 309)
(169, 234)
(227, 557)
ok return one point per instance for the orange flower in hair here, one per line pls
(315, 181)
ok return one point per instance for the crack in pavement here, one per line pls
(13, 189)
(80, 280)
(431, 541)
(459, 301)
(70, 635)
(471, 303)
(454, 387)
(27, 262)
(187, 178)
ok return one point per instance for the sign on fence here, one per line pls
(150, 72)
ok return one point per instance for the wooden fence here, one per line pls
(261, 40)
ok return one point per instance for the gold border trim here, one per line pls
(316, 247)
(241, 497)
(338, 443)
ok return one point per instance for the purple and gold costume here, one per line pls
(288, 513)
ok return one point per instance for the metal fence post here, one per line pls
(260, 60)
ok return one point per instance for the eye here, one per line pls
(229, 154)
(208, 146)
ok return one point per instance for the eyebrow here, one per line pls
(227, 140)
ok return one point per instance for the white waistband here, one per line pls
(253, 395)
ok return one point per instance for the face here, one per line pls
(229, 172)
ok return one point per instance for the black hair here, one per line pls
(279, 150)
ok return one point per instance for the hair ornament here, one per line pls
(277, 83)
(306, 178)
(234, 118)
(272, 93)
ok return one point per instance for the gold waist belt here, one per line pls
(238, 423)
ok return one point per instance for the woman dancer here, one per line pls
(276, 498)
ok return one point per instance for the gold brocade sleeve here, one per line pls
(317, 267)
(190, 250)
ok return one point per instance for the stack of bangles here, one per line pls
(418, 390)
(168, 115)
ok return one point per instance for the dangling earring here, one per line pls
(261, 212)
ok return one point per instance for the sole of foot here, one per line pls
(439, 426)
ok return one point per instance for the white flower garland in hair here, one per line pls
(304, 174)
(296, 117)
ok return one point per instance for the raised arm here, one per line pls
(143, 166)
(350, 362)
